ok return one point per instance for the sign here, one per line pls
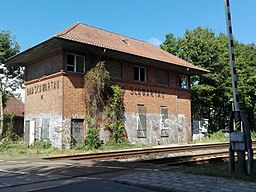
(44, 87)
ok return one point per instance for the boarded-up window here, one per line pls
(77, 131)
(114, 68)
(45, 130)
(26, 131)
(163, 78)
(164, 122)
(141, 122)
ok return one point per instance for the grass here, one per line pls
(214, 137)
(216, 170)
(44, 149)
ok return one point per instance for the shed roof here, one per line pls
(15, 106)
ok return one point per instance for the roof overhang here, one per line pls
(38, 51)
(56, 43)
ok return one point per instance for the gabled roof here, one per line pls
(101, 38)
(15, 106)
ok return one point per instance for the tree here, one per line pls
(211, 93)
(11, 77)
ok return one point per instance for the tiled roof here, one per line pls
(15, 106)
(101, 38)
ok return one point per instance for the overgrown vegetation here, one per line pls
(9, 134)
(114, 115)
(104, 109)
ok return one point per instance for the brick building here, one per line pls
(155, 84)
(15, 107)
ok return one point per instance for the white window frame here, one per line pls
(145, 74)
(75, 63)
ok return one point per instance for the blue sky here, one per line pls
(33, 21)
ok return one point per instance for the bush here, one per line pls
(92, 138)
(45, 144)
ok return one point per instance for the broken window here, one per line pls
(183, 82)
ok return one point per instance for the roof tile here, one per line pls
(101, 38)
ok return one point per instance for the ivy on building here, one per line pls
(103, 106)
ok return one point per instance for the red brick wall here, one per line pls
(44, 96)
(73, 95)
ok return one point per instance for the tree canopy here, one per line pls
(211, 93)
(11, 77)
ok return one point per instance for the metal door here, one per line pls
(77, 132)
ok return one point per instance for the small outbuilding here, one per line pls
(15, 109)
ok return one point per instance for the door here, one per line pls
(77, 132)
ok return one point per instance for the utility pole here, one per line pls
(240, 138)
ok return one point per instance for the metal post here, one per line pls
(237, 115)
(236, 106)
(232, 57)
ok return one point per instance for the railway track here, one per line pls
(143, 152)
(202, 158)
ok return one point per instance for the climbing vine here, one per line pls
(103, 106)
(114, 113)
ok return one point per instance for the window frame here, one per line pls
(139, 74)
(75, 63)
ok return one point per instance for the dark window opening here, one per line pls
(140, 74)
(75, 63)
(115, 69)
(163, 78)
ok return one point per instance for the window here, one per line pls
(115, 69)
(183, 82)
(140, 74)
(75, 63)
(141, 121)
(163, 78)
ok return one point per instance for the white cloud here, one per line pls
(155, 41)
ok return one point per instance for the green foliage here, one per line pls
(104, 106)
(12, 77)
(92, 138)
(96, 84)
(211, 93)
(8, 129)
(253, 135)
(45, 144)
(114, 113)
